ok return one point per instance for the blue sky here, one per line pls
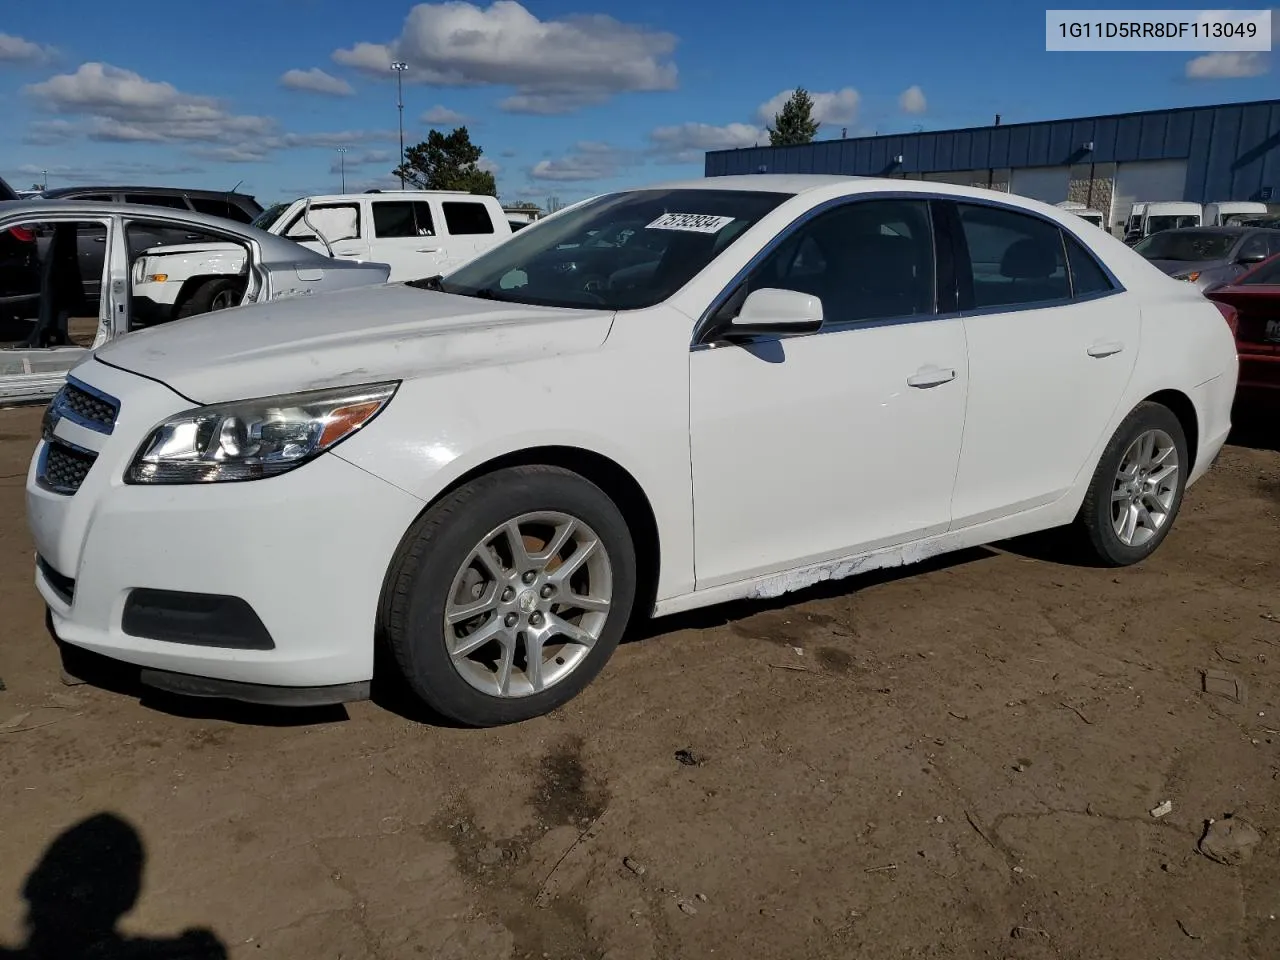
(567, 97)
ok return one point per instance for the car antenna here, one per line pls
(236, 187)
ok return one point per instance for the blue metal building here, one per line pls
(1201, 154)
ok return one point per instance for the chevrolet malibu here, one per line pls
(756, 384)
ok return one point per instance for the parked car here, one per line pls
(1208, 256)
(48, 323)
(1085, 213)
(1271, 220)
(238, 207)
(1255, 298)
(815, 377)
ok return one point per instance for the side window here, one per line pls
(96, 197)
(175, 203)
(402, 218)
(337, 221)
(1087, 277)
(867, 260)
(466, 217)
(1015, 258)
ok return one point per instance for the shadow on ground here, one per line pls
(88, 879)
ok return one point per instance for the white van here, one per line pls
(1217, 214)
(1085, 213)
(1170, 215)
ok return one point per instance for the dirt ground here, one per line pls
(951, 761)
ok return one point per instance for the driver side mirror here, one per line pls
(1249, 258)
(774, 312)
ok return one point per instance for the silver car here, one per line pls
(1209, 257)
(68, 269)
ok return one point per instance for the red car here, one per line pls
(1252, 307)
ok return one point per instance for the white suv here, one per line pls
(418, 233)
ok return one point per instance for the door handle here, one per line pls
(930, 376)
(428, 250)
(346, 253)
(99, 239)
(1105, 348)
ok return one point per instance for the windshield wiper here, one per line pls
(427, 283)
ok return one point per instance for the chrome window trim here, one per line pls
(704, 320)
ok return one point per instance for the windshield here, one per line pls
(1187, 245)
(622, 251)
(1172, 222)
(267, 217)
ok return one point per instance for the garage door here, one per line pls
(1147, 181)
(1048, 184)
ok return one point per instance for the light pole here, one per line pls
(342, 165)
(399, 66)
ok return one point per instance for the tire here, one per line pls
(441, 566)
(1101, 512)
(209, 296)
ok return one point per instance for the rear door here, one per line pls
(470, 229)
(405, 236)
(1052, 339)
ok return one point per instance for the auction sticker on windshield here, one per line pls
(690, 222)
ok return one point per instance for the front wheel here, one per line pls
(1137, 487)
(508, 596)
(211, 295)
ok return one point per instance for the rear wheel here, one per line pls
(209, 296)
(1137, 487)
(510, 594)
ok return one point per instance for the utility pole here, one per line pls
(342, 165)
(400, 67)
(44, 177)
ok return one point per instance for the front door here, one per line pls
(341, 223)
(1052, 342)
(816, 447)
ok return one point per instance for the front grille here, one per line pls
(64, 467)
(64, 587)
(83, 405)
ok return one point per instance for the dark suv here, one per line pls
(233, 206)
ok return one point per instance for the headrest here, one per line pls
(1028, 260)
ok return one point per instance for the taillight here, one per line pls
(22, 235)
(1229, 314)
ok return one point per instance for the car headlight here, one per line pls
(253, 439)
(1189, 277)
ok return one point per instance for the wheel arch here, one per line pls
(193, 284)
(1180, 405)
(607, 474)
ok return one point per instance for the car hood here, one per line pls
(349, 337)
(1175, 267)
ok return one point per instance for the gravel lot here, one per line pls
(957, 760)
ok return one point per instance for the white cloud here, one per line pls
(441, 116)
(1227, 65)
(832, 106)
(489, 166)
(365, 158)
(43, 133)
(17, 50)
(123, 106)
(555, 66)
(106, 170)
(687, 142)
(316, 80)
(912, 100)
(588, 160)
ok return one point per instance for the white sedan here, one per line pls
(655, 400)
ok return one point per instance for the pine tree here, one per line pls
(447, 162)
(795, 124)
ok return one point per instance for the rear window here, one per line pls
(1187, 245)
(157, 200)
(464, 217)
(402, 218)
(220, 208)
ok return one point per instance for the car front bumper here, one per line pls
(267, 583)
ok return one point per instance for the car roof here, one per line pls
(155, 191)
